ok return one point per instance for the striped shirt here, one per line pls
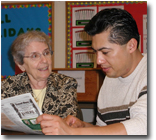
(125, 100)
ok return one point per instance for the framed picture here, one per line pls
(78, 43)
(17, 18)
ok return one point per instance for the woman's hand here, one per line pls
(53, 125)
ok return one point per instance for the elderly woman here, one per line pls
(54, 93)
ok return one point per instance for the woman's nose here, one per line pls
(43, 58)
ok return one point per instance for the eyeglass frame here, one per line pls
(51, 53)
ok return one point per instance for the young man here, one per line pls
(122, 101)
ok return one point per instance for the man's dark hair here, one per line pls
(121, 24)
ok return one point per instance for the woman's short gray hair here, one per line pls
(23, 40)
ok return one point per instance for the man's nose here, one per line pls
(100, 58)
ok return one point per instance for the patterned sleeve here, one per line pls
(14, 85)
(6, 88)
(2, 90)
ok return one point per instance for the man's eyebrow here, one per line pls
(46, 49)
(93, 49)
(100, 49)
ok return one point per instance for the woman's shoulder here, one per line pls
(57, 77)
(61, 76)
(14, 78)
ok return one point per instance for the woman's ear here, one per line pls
(132, 45)
(21, 67)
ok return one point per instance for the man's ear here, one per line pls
(132, 45)
(21, 67)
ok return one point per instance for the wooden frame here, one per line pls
(90, 8)
(47, 8)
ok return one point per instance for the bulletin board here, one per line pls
(17, 18)
(78, 43)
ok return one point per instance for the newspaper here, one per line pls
(19, 113)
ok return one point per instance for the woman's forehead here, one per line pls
(36, 46)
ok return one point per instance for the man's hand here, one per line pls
(74, 122)
(53, 125)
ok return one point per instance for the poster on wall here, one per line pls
(78, 47)
(17, 18)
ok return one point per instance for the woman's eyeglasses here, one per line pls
(36, 56)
